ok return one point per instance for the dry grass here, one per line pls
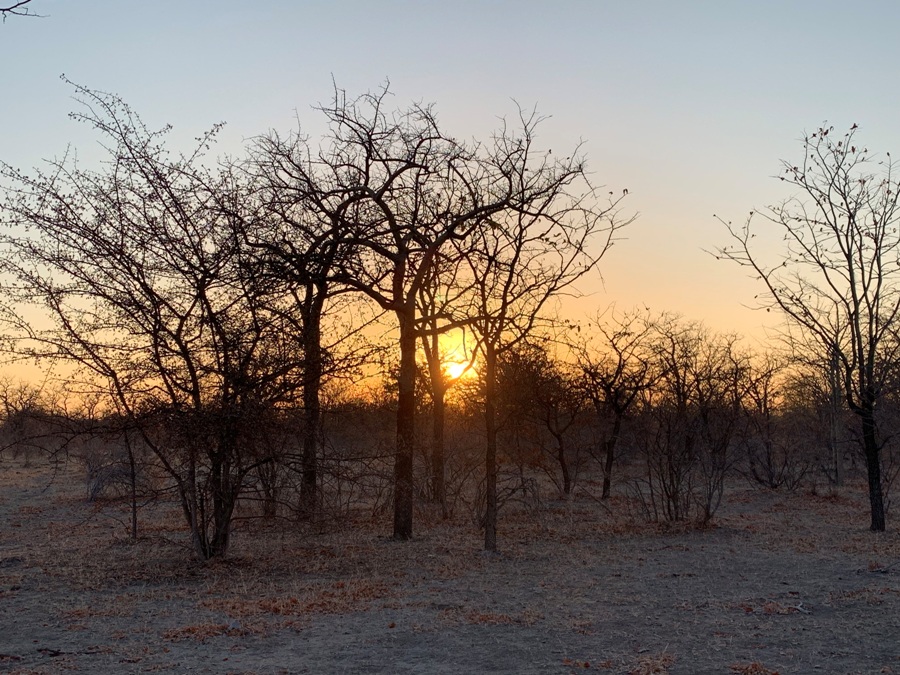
(334, 598)
(653, 664)
(754, 668)
(293, 578)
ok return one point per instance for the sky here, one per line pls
(689, 105)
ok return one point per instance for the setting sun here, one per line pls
(456, 355)
(456, 369)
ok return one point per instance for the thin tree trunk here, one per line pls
(561, 458)
(564, 466)
(438, 489)
(490, 418)
(406, 416)
(610, 447)
(132, 479)
(873, 468)
(834, 416)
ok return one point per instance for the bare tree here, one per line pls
(837, 279)
(400, 191)
(370, 182)
(132, 275)
(437, 299)
(776, 448)
(543, 401)
(552, 233)
(298, 244)
(616, 370)
(691, 416)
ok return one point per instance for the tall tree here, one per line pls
(437, 299)
(299, 247)
(552, 232)
(838, 279)
(398, 190)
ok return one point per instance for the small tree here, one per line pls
(542, 403)
(838, 279)
(616, 370)
(691, 415)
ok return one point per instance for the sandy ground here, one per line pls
(786, 583)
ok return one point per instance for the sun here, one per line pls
(456, 369)
(457, 358)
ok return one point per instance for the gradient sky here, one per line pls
(689, 105)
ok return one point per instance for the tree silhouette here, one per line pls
(615, 375)
(838, 279)
(553, 231)
(133, 275)
(299, 246)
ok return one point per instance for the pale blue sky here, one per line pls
(690, 105)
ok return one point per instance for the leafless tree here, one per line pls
(775, 446)
(542, 403)
(299, 246)
(616, 370)
(436, 299)
(837, 279)
(690, 418)
(553, 231)
(370, 182)
(132, 275)
(400, 191)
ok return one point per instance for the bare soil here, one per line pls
(786, 583)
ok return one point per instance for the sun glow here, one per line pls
(456, 356)
(456, 369)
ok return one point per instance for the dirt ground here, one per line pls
(786, 583)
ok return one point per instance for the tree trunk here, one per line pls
(132, 484)
(406, 416)
(490, 418)
(223, 508)
(610, 448)
(873, 467)
(312, 384)
(836, 395)
(438, 490)
(222, 498)
(563, 464)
